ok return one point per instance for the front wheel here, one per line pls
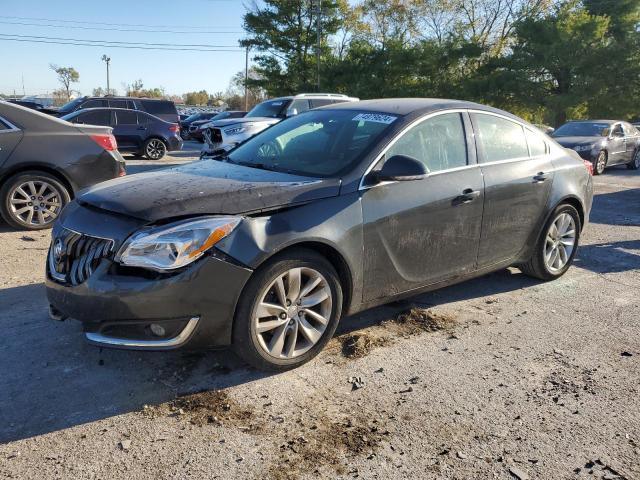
(635, 163)
(557, 245)
(154, 149)
(600, 163)
(32, 200)
(288, 311)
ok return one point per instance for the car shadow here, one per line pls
(607, 208)
(51, 379)
(613, 257)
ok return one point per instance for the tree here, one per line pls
(136, 89)
(66, 76)
(284, 34)
(101, 92)
(196, 98)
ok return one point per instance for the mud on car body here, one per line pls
(263, 247)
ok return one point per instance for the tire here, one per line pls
(635, 163)
(154, 149)
(32, 200)
(253, 345)
(600, 163)
(537, 266)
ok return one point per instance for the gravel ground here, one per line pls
(503, 377)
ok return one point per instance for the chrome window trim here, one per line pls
(475, 165)
(12, 127)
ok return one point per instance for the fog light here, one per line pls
(157, 330)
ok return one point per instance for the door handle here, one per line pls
(540, 177)
(142, 128)
(468, 195)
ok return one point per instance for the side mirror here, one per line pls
(401, 168)
(291, 112)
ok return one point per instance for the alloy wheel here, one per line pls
(35, 203)
(156, 149)
(293, 313)
(601, 162)
(636, 159)
(560, 242)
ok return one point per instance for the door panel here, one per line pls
(516, 186)
(127, 131)
(420, 232)
(617, 146)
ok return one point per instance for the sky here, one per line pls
(198, 22)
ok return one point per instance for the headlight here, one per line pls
(236, 130)
(175, 245)
(583, 148)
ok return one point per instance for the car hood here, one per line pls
(205, 187)
(569, 142)
(233, 121)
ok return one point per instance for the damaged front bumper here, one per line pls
(126, 307)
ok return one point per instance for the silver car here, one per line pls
(225, 134)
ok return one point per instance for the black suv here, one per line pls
(164, 109)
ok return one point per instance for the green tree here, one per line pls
(285, 36)
(196, 98)
(66, 76)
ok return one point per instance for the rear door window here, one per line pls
(319, 102)
(300, 105)
(537, 146)
(101, 117)
(118, 103)
(159, 107)
(127, 117)
(499, 138)
(96, 103)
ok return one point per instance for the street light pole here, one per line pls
(318, 28)
(107, 60)
(246, 79)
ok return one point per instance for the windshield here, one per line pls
(67, 107)
(318, 143)
(220, 116)
(583, 129)
(192, 117)
(271, 108)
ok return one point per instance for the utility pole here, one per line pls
(246, 80)
(107, 60)
(23, 91)
(318, 28)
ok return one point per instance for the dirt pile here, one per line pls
(418, 320)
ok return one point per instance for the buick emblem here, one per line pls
(58, 250)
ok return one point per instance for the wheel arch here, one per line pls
(574, 202)
(334, 256)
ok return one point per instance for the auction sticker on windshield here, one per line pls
(375, 117)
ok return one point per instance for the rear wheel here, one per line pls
(288, 311)
(635, 163)
(154, 149)
(600, 163)
(32, 200)
(557, 245)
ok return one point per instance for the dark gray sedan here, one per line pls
(322, 215)
(603, 142)
(44, 161)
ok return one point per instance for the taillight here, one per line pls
(174, 128)
(589, 166)
(106, 141)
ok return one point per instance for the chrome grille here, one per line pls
(74, 256)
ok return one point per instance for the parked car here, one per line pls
(136, 132)
(602, 142)
(164, 109)
(197, 127)
(327, 213)
(224, 134)
(200, 118)
(45, 161)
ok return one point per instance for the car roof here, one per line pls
(594, 121)
(114, 109)
(406, 106)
